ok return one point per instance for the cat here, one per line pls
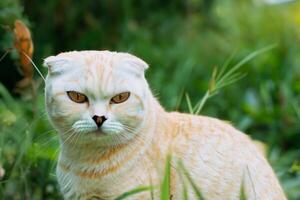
(115, 136)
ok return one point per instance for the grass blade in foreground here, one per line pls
(185, 195)
(134, 191)
(189, 178)
(165, 187)
(242, 191)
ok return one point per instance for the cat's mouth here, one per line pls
(99, 133)
(107, 128)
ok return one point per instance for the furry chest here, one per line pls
(76, 187)
(109, 187)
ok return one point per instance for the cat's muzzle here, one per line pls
(99, 120)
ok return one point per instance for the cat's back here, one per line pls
(189, 128)
(220, 158)
(202, 139)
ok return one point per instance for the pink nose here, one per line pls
(99, 120)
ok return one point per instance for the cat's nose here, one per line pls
(99, 120)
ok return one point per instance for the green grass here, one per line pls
(223, 78)
(33, 149)
(165, 193)
(134, 192)
(182, 44)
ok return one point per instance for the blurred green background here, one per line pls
(182, 40)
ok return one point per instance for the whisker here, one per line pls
(140, 137)
(78, 136)
(54, 137)
(44, 134)
(36, 68)
(70, 136)
(128, 129)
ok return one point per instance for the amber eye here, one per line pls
(77, 97)
(120, 98)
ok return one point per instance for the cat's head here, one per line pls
(96, 97)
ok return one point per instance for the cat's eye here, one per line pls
(120, 98)
(77, 97)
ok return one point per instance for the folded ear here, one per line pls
(132, 64)
(56, 65)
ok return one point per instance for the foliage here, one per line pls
(183, 41)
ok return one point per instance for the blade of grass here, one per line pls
(202, 102)
(212, 82)
(233, 79)
(185, 192)
(223, 79)
(179, 99)
(189, 103)
(242, 190)
(185, 195)
(134, 191)
(246, 59)
(193, 184)
(225, 65)
(165, 187)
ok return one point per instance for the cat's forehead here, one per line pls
(96, 71)
(90, 57)
(95, 59)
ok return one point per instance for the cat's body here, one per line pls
(129, 149)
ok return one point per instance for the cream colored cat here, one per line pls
(115, 136)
